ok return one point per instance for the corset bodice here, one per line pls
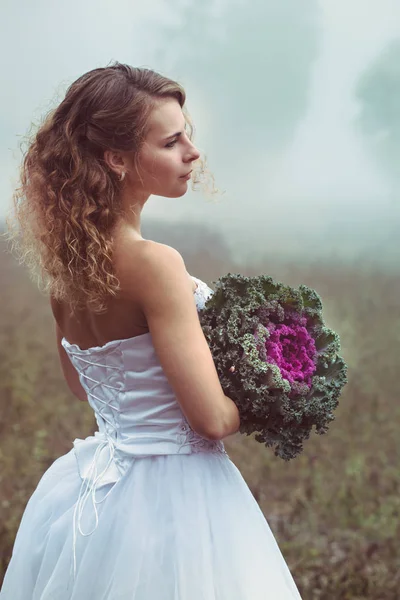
(135, 407)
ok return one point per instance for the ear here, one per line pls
(115, 161)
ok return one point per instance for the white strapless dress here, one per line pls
(145, 509)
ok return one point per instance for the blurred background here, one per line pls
(296, 105)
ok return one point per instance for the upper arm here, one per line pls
(164, 292)
(68, 369)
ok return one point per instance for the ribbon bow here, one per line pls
(97, 468)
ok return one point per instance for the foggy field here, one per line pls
(296, 109)
(334, 510)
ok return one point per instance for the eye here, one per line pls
(171, 144)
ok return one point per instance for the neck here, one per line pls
(132, 207)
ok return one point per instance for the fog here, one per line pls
(295, 103)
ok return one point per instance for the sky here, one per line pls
(271, 91)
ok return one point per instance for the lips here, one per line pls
(186, 174)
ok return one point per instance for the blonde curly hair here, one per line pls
(67, 203)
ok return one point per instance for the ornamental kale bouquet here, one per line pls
(275, 358)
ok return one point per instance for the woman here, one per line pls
(150, 507)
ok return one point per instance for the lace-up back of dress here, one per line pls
(129, 391)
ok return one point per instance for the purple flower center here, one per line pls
(292, 349)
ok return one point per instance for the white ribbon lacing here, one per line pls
(91, 481)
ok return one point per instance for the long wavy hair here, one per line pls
(63, 212)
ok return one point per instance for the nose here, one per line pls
(194, 154)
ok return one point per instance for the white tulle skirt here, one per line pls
(175, 527)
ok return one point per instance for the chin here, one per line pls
(173, 193)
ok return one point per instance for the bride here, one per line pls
(150, 507)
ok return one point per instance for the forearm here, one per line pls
(232, 418)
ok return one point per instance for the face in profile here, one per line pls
(166, 155)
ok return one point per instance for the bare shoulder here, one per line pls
(147, 267)
(151, 251)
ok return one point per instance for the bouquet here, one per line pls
(275, 358)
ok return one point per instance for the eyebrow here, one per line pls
(177, 134)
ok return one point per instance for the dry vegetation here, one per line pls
(334, 510)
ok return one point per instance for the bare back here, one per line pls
(123, 318)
